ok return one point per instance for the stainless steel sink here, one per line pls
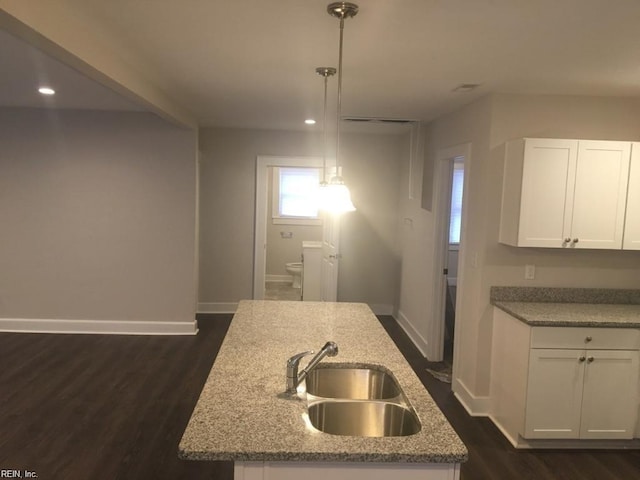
(363, 418)
(352, 383)
(357, 400)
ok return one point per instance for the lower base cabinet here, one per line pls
(564, 384)
(581, 394)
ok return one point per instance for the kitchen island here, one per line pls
(243, 413)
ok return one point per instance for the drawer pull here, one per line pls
(582, 359)
(588, 339)
(590, 359)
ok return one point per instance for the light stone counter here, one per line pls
(573, 314)
(243, 414)
(570, 307)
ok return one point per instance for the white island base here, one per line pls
(345, 471)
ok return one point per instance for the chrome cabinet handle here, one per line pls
(588, 339)
(582, 358)
(575, 240)
(590, 359)
(567, 240)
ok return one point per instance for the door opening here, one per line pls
(454, 215)
(282, 230)
(448, 275)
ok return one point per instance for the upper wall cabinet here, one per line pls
(632, 219)
(564, 193)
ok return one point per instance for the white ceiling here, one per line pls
(251, 63)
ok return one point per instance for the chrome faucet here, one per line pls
(330, 349)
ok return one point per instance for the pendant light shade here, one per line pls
(334, 196)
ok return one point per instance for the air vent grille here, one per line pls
(378, 120)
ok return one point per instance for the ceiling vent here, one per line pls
(378, 120)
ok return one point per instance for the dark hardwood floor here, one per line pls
(114, 407)
(104, 406)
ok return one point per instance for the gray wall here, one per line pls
(487, 124)
(98, 216)
(369, 269)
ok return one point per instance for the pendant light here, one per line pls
(337, 198)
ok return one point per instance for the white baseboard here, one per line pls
(278, 278)
(217, 307)
(103, 327)
(474, 405)
(417, 339)
(381, 308)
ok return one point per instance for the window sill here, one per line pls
(296, 221)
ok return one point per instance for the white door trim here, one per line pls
(263, 162)
(442, 201)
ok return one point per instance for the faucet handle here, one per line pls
(292, 370)
(295, 360)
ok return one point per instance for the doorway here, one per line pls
(452, 175)
(265, 166)
(454, 215)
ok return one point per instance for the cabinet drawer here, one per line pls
(585, 337)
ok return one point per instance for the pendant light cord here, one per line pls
(337, 173)
(324, 132)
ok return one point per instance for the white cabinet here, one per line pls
(558, 386)
(632, 219)
(564, 193)
(585, 394)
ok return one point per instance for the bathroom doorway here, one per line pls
(280, 231)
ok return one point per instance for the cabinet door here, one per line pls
(547, 191)
(600, 194)
(632, 219)
(610, 396)
(554, 393)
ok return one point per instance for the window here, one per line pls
(456, 201)
(295, 195)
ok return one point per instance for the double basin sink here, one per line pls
(363, 401)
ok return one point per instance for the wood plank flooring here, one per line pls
(114, 407)
(104, 406)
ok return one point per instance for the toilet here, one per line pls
(295, 270)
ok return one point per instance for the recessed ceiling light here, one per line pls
(46, 90)
(310, 121)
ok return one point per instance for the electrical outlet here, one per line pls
(529, 272)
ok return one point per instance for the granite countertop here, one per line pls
(242, 413)
(573, 314)
(570, 307)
